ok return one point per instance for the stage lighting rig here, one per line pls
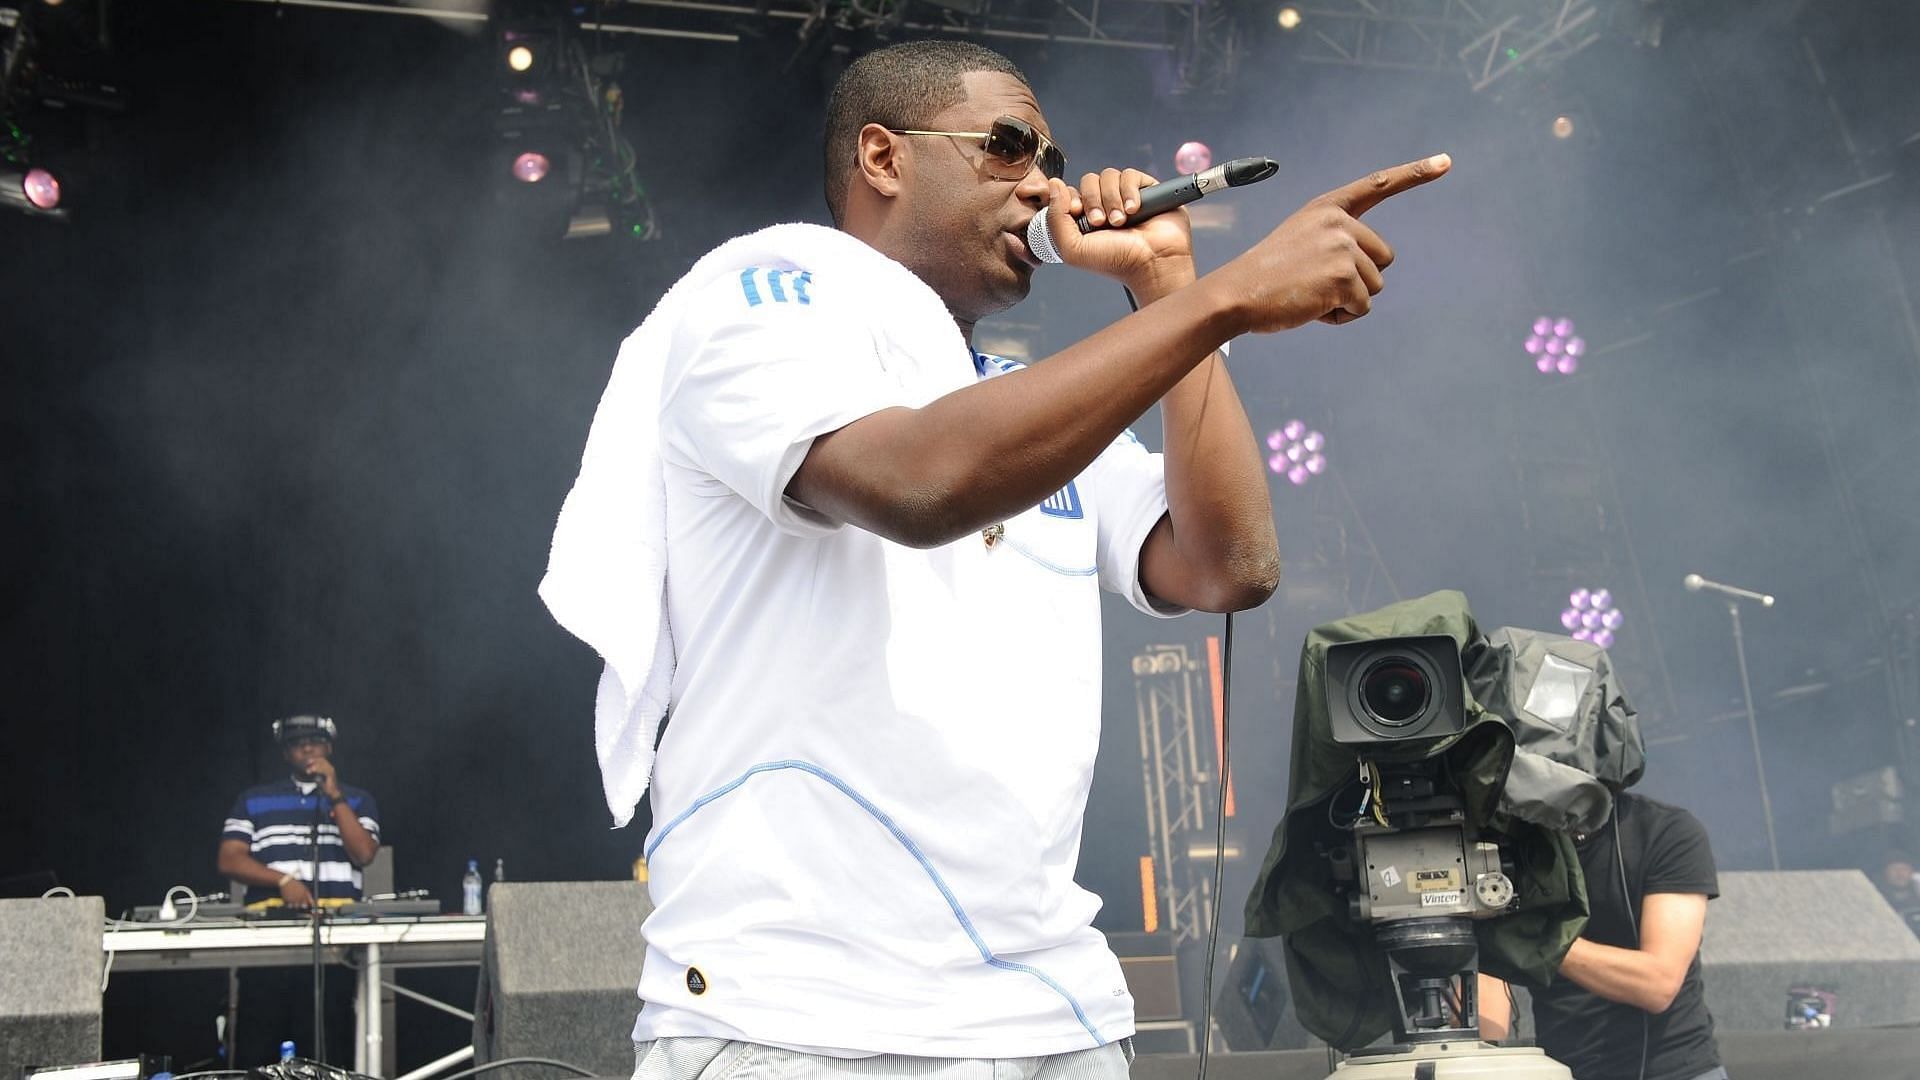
(560, 162)
(54, 80)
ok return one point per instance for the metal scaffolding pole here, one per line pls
(1175, 776)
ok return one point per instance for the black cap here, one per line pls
(304, 727)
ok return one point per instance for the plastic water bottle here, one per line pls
(286, 1050)
(470, 889)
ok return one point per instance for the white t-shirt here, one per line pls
(869, 797)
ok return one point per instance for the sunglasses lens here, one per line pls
(1053, 163)
(1011, 144)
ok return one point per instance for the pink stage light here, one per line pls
(531, 167)
(1554, 346)
(1192, 157)
(42, 189)
(1298, 453)
(1590, 615)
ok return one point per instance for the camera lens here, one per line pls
(1394, 691)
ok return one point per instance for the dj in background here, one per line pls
(270, 832)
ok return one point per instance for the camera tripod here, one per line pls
(1433, 969)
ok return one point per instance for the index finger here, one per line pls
(1370, 191)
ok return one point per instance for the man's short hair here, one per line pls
(900, 86)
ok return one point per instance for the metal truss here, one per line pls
(1169, 687)
(1202, 35)
(1484, 39)
(1576, 531)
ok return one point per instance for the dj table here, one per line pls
(370, 946)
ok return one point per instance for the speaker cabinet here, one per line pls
(560, 975)
(1771, 932)
(50, 966)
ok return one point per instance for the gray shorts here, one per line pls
(718, 1059)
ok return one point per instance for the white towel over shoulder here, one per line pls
(607, 571)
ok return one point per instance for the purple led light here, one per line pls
(1591, 616)
(1554, 347)
(1298, 452)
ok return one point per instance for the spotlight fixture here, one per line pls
(531, 167)
(41, 188)
(33, 190)
(1591, 616)
(1554, 347)
(1192, 157)
(531, 53)
(1563, 127)
(1289, 18)
(1298, 453)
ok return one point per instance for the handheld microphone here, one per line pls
(1160, 198)
(1695, 583)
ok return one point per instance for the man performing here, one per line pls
(862, 563)
(1631, 1004)
(269, 839)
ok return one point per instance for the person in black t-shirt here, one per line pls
(1900, 884)
(1630, 1003)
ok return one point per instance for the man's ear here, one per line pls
(880, 160)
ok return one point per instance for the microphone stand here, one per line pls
(319, 978)
(1753, 731)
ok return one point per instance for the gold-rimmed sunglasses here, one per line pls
(1012, 147)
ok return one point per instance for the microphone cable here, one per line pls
(1220, 824)
(1219, 846)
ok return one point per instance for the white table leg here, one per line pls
(369, 1056)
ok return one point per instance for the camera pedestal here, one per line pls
(1453, 1061)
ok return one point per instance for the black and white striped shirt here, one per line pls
(278, 821)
